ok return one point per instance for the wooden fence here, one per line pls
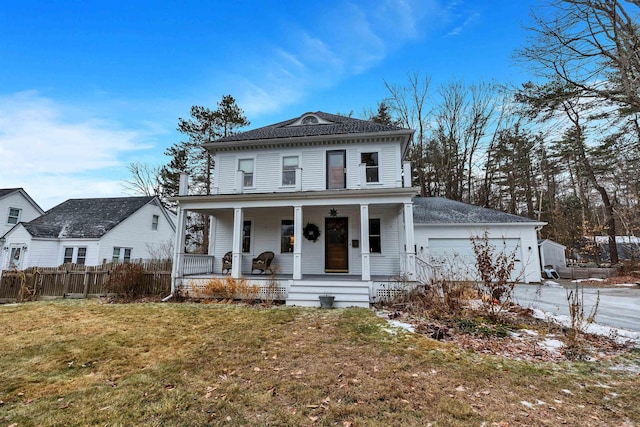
(77, 281)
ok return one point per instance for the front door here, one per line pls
(336, 256)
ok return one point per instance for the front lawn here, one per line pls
(87, 363)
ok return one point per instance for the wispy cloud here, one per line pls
(340, 43)
(468, 21)
(51, 155)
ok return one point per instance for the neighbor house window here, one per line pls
(154, 222)
(14, 216)
(370, 161)
(286, 236)
(375, 246)
(75, 255)
(246, 166)
(289, 166)
(246, 236)
(121, 255)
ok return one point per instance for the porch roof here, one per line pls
(299, 198)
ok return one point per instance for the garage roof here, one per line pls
(438, 210)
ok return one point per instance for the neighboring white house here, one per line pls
(347, 178)
(16, 206)
(552, 253)
(90, 232)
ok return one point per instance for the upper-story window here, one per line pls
(336, 169)
(289, 166)
(246, 166)
(14, 216)
(370, 160)
(154, 222)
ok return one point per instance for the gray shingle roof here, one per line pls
(85, 218)
(339, 125)
(438, 210)
(7, 191)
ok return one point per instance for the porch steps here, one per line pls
(347, 293)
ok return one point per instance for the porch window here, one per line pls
(286, 233)
(289, 166)
(370, 160)
(121, 255)
(154, 222)
(246, 166)
(246, 236)
(14, 215)
(375, 246)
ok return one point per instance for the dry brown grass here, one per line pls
(87, 363)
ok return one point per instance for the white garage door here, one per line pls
(457, 258)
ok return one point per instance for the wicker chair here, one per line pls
(226, 262)
(262, 262)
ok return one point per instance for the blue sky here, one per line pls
(86, 87)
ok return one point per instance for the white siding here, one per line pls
(135, 232)
(18, 201)
(458, 236)
(268, 167)
(266, 224)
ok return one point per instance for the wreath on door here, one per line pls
(311, 232)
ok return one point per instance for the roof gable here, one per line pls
(85, 218)
(438, 210)
(4, 192)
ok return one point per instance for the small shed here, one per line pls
(552, 253)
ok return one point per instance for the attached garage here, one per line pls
(443, 232)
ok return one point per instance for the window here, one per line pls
(310, 120)
(154, 222)
(14, 216)
(289, 166)
(370, 161)
(246, 236)
(375, 246)
(246, 166)
(286, 233)
(68, 255)
(121, 255)
(82, 256)
(336, 169)
(75, 255)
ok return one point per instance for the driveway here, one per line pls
(619, 306)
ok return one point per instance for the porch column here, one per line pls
(236, 247)
(178, 249)
(410, 247)
(297, 242)
(364, 242)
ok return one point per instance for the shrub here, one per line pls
(127, 281)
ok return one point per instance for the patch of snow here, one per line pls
(527, 404)
(9, 305)
(591, 279)
(551, 345)
(551, 284)
(530, 332)
(630, 285)
(401, 325)
(621, 336)
(565, 391)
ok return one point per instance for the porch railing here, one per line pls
(197, 264)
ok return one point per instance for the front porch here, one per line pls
(348, 290)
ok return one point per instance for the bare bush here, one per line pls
(574, 348)
(127, 281)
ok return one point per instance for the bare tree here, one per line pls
(145, 179)
(593, 45)
(408, 104)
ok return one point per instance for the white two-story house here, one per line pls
(330, 196)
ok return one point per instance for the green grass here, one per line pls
(85, 363)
